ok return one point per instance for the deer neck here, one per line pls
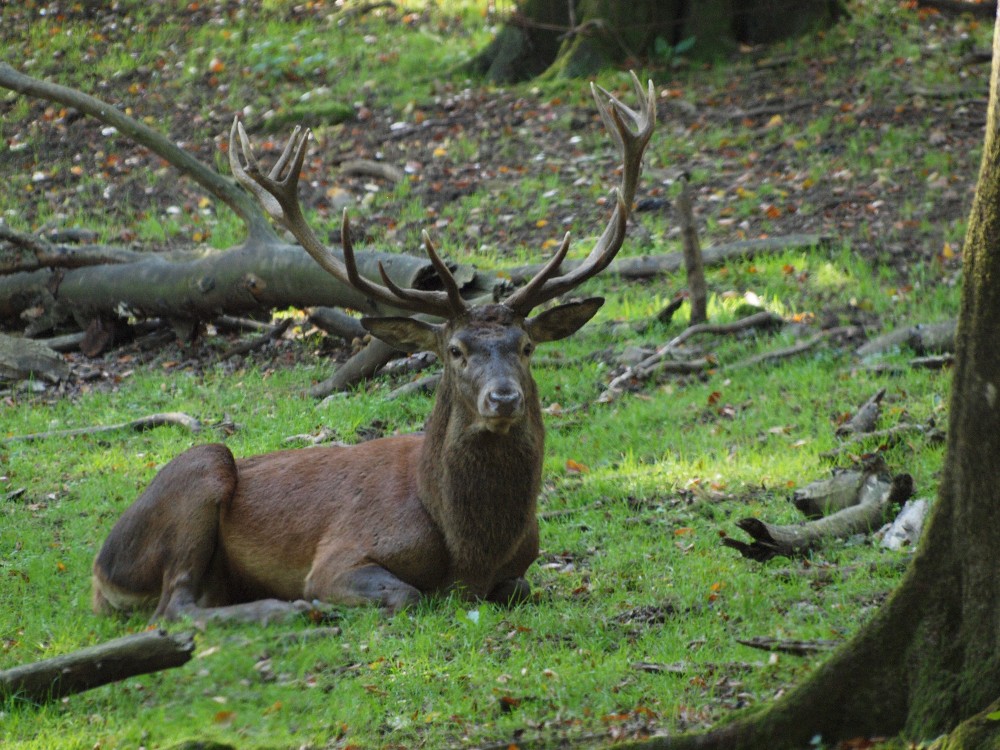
(481, 487)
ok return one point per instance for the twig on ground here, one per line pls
(789, 645)
(246, 347)
(370, 168)
(177, 418)
(662, 360)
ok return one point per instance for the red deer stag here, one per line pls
(391, 519)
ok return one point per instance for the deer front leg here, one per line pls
(510, 592)
(359, 585)
(512, 588)
(261, 612)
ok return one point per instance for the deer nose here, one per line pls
(504, 401)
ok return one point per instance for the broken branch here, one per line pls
(141, 653)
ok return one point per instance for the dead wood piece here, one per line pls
(865, 418)
(773, 356)
(250, 279)
(37, 253)
(66, 343)
(976, 57)
(935, 338)
(241, 325)
(369, 168)
(826, 496)
(876, 494)
(356, 11)
(103, 333)
(657, 265)
(142, 424)
(763, 319)
(923, 339)
(324, 435)
(337, 323)
(936, 362)
(362, 365)
(246, 347)
(665, 357)
(905, 530)
(693, 264)
(116, 660)
(789, 645)
(980, 10)
(21, 359)
(890, 436)
(423, 385)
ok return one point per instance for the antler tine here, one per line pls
(529, 290)
(277, 193)
(632, 144)
(458, 304)
(438, 304)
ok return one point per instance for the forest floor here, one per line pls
(868, 134)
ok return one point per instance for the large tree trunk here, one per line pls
(576, 38)
(929, 661)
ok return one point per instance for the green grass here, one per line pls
(632, 570)
(636, 492)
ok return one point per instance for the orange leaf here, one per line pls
(713, 397)
(224, 717)
(575, 467)
(683, 530)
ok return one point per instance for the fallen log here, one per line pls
(141, 653)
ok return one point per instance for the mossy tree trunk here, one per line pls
(575, 38)
(928, 663)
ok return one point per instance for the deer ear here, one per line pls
(560, 321)
(405, 334)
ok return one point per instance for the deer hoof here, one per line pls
(510, 592)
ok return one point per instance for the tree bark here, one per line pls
(92, 667)
(573, 38)
(928, 663)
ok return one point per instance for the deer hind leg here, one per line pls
(161, 551)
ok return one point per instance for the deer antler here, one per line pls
(277, 192)
(544, 286)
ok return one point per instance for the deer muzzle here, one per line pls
(501, 403)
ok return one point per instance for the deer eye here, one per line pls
(455, 352)
(528, 349)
